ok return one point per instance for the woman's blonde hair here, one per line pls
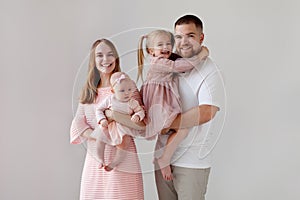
(89, 92)
(149, 44)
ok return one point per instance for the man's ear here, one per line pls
(112, 90)
(201, 38)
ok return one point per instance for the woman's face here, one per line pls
(104, 58)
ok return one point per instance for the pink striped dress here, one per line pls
(125, 181)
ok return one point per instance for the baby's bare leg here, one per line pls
(172, 143)
(100, 152)
(120, 153)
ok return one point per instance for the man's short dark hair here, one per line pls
(188, 19)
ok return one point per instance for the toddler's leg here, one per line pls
(120, 153)
(172, 143)
(100, 152)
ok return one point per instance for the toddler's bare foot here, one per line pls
(165, 169)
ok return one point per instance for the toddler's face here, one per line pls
(124, 90)
(162, 46)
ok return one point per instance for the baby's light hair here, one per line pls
(117, 77)
(149, 44)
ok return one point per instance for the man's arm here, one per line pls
(125, 120)
(195, 116)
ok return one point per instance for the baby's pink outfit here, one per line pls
(113, 134)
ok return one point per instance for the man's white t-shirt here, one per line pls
(203, 85)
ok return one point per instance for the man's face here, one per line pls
(188, 40)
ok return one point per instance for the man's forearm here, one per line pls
(194, 117)
(126, 121)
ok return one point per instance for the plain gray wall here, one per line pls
(45, 43)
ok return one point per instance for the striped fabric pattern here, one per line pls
(125, 181)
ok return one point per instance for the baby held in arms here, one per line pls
(122, 100)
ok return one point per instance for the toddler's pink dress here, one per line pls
(125, 181)
(160, 92)
(115, 131)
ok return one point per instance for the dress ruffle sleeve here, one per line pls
(79, 125)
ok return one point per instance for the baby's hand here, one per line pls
(135, 118)
(104, 123)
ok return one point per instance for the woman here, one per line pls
(124, 182)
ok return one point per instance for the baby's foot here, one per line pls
(165, 169)
(101, 164)
(108, 168)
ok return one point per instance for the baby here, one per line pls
(114, 133)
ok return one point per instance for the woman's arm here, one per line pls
(87, 134)
(78, 126)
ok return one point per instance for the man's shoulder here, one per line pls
(207, 66)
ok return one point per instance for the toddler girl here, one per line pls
(160, 90)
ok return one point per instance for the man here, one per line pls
(202, 94)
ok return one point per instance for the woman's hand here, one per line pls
(87, 134)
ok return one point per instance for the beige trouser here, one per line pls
(188, 184)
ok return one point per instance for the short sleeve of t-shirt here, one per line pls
(211, 91)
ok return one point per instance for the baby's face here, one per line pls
(162, 46)
(124, 90)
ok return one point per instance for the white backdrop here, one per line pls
(44, 43)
